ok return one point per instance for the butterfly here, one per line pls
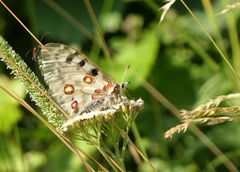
(76, 83)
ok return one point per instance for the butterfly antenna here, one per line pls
(124, 74)
(28, 52)
(42, 37)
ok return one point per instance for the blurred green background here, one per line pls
(176, 57)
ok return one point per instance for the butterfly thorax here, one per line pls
(119, 88)
(108, 101)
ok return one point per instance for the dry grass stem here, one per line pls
(215, 102)
(177, 129)
(207, 121)
(216, 111)
(165, 9)
(230, 7)
(210, 113)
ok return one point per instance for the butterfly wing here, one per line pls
(74, 80)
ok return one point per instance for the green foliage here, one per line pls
(29, 80)
(10, 113)
(142, 53)
(176, 57)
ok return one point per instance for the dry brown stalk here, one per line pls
(230, 7)
(210, 113)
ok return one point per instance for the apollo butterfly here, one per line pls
(81, 88)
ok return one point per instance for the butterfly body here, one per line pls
(75, 82)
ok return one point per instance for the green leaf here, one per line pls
(140, 55)
(10, 112)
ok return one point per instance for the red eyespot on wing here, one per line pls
(74, 105)
(88, 79)
(98, 90)
(97, 96)
(106, 87)
(68, 89)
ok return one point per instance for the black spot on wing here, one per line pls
(70, 57)
(94, 72)
(82, 63)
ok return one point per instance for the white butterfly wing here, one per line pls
(74, 80)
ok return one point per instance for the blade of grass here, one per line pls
(125, 136)
(99, 31)
(74, 22)
(29, 78)
(213, 21)
(214, 149)
(26, 76)
(20, 22)
(29, 108)
(211, 39)
(65, 140)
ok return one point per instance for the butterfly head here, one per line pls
(120, 88)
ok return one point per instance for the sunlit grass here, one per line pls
(188, 47)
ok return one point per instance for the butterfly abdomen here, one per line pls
(103, 103)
